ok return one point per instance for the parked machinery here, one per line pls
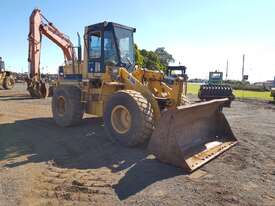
(135, 103)
(216, 89)
(172, 72)
(7, 80)
(273, 89)
(39, 26)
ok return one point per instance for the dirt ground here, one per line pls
(42, 164)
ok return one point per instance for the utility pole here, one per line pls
(243, 67)
(226, 74)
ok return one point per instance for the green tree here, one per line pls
(138, 57)
(164, 57)
(157, 60)
(151, 60)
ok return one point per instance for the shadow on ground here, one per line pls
(86, 146)
(12, 98)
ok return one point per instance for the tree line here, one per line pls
(155, 60)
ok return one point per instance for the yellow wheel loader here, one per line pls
(7, 80)
(136, 104)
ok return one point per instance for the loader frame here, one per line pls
(136, 104)
(97, 86)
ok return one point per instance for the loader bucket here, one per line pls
(190, 136)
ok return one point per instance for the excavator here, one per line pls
(39, 26)
(136, 104)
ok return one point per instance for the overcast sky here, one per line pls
(201, 34)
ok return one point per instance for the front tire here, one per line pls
(67, 108)
(128, 118)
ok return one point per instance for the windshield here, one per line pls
(216, 75)
(125, 45)
(110, 52)
(176, 72)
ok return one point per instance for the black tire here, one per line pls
(34, 93)
(8, 82)
(50, 93)
(72, 111)
(141, 112)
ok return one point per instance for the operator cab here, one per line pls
(172, 72)
(109, 44)
(215, 77)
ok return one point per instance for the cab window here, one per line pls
(216, 75)
(95, 45)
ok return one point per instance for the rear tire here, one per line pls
(138, 124)
(8, 82)
(67, 108)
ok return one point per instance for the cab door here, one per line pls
(95, 62)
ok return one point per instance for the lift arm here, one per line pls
(38, 27)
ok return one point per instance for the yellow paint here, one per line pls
(148, 82)
(97, 88)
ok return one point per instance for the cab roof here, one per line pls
(106, 25)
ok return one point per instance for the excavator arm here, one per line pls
(39, 26)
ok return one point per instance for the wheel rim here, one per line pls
(61, 106)
(121, 119)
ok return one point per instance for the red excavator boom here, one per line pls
(39, 26)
